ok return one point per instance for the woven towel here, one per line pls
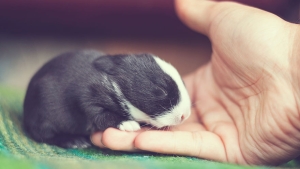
(19, 151)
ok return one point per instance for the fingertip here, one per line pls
(179, 8)
(115, 139)
(96, 139)
(109, 136)
(119, 140)
(105, 139)
(139, 141)
(195, 14)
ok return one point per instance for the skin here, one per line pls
(245, 100)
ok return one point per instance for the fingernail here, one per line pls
(103, 144)
(92, 140)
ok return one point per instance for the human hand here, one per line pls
(245, 100)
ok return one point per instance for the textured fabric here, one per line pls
(18, 151)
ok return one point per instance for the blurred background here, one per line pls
(34, 31)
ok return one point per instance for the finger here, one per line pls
(195, 14)
(96, 139)
(200, 144)
(115, 139)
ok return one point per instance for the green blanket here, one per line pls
(18, 151)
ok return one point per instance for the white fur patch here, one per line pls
(184, 106)
(129, 125)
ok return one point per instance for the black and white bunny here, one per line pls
(78, 93)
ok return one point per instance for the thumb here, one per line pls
(195, 13)
(201, 144)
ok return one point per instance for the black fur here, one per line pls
(72, 95)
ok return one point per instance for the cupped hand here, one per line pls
(245, 100)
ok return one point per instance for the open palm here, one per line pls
(244, 99)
